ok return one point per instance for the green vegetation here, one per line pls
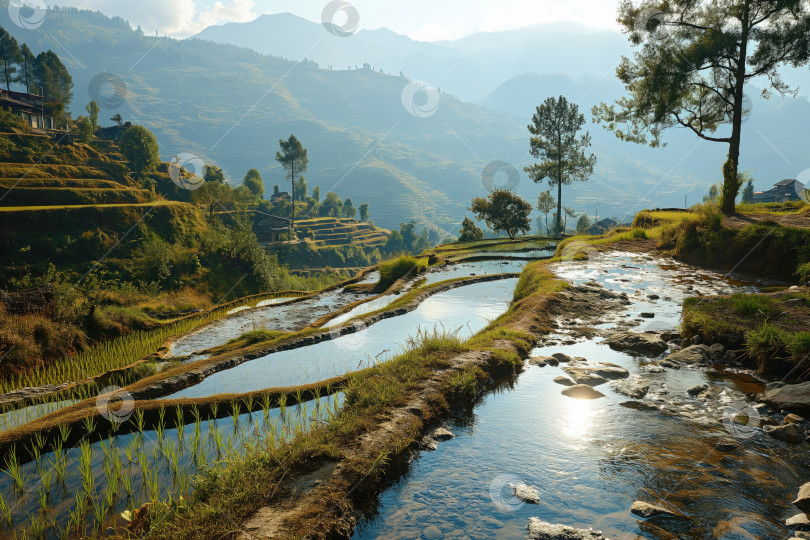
(554, 140)
(504, 211)
(469, 231)
(293, 157)
(770, 328)
(392, 270)
(680, 77)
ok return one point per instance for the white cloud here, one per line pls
(177, 18)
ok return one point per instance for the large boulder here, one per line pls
(635, 387)
(582, 391)
(696, 354)
(790, 397)
(646, 344)
(542, 530)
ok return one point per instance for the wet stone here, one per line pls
(789, 433)
(542, 530)
(565, 381)
(646, 510)
(582, 391)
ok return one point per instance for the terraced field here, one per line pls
(331, 231)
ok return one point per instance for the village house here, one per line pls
(30, 107)
(278, 195)
(602, 226)
(784, 190)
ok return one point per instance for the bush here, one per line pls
(394, 269)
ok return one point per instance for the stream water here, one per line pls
(590, 460)
(465, 309)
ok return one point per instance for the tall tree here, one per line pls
(554, 129)
(253, 181)
(301, 189)
(748, 192)
(10, 57)
(695, 59)
(28, 66)
(316, 193)
(293, 157)
(214, 174)
(583, 223)
(93, 110)
(140, 148)
(363, 211)
(545, 203)
(504, 211)
(52, 78)
(349, 210)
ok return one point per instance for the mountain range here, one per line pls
(378, 135)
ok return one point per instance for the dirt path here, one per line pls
(738, 221)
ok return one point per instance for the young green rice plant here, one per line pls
(235, 413)
(266, 406)
(5, 513)
(138, 419)
(152, 485)
(42, 499)
(99, 512)
(144, 464)
(159, 433)
(282, 405)
(45, 477)
(37, 527)
(14, 470)
(64, 433)
(181, 420)
(126, 479)
(86, 466)
(201, 461)
(89, 423)
(183, 484)
(109, 498)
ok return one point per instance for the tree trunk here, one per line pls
(559, 206)
(292, 196)
(731, 185)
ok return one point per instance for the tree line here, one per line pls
(43, 74)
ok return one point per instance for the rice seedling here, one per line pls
(126, 479)
(86, 466)
(138, 419)
(42, 499)
(282, 405)
(14, 470)
(5, 513)
(162, 417)
(37, 527)
(183, 483)
(109, 498)
(89, 423)
(235, 412)
(201, 461)
(64, 433)
(99, 512)
(45, 477)
(152, 486)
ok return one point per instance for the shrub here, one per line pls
(394, 269)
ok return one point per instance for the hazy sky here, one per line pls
(420, 19)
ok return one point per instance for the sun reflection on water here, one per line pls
(578, 418)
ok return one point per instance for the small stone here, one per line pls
(540, 361)
(542, 530)
(789, 433)
(442, 434)
(653, 296)
(525, 493)
(725, 445)
(791, 418)
(647, 315)
(802, 501)
(635, 387)
(565, 381)
(695, 390)
(582, 391)
(562, 357)
(646, 510)
(718, 349)
(638, 405)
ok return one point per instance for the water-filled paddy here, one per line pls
(466, 309)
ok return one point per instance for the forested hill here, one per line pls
(231, 105)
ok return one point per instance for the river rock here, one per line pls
(793, 419)
(725, 445)
(802, 501)
(582, 391)
(542, 530)
(695, 390)
(565, 381)
(789, 433)
(799, 522)
(638, 405)
(562, 357)
(646, 510)
(584, 376)
(635, 387)
(791, 397)
(525, 493)
(694, 354)
(647, 344)
(718, 350)
(542, 361)
(442, 434)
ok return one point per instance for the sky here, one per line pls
(425, 20)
